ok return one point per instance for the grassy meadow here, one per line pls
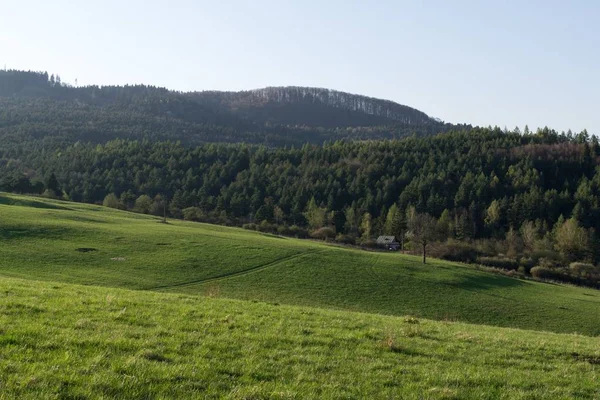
(65, 341)
(76, 243)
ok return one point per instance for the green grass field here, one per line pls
(64, 341)
(99, 303)
(75, 243)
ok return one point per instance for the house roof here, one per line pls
(386, 240)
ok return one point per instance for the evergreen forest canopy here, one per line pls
(525, 202)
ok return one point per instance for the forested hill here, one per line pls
(37, 107)
(316, 107)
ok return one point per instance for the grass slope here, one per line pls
(76, 243)
(77, 342)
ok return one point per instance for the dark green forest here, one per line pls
(523, 202)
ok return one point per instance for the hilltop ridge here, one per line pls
(36, 106)
(375, 111)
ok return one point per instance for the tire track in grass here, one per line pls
(256, 268)
(371, 269)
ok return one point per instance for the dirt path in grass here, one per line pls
(255, 268)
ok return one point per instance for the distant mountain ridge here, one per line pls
(36, 106)
(297, 95)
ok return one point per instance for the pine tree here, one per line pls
(52, 184)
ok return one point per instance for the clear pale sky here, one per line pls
(504, 63)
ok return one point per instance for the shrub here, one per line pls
(111, 200)
(346, 239)
(454, 250)
(547, 254)
(549, 263)
(298, 232)
(506, 272)
(250, 226)
(143, 204)
(486, 246)
(265, 226)
(49, 193)
(582, 269)
(499, 262)
(512, 273)
(283, 230)
(540, 272)
(369, 243)
(323, 233)
(192, 214)
(527, 263)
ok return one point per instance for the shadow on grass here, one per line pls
(79, 218)
(31, 203)
(45, 232)
(480, 282)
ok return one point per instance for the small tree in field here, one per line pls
(111, 200)
(423, 230)
(143, 204)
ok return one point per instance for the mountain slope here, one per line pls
(316, 107)
(34, 107)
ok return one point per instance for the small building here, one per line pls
(388, 242)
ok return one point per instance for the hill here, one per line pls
(35, 107)
(315, 107)
(68, 341)
(75, 243)
(514, 200)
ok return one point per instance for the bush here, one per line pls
(346, 239)
(549, 263)
(323, 233)
(49, 193)
(298, 232)
(499, 262)
(266, 226)
(545, 254)
(453, 250)
(540, 272)
(527, 263)
(143, 204)
(193, 214)
(111, 200)
(582, 269)
(250, 226)
(369, 243)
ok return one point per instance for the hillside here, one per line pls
(68, 341)
(75, 243)
(506, 199)
(37, 108)
(315, 107)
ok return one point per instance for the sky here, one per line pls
(503, 62)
